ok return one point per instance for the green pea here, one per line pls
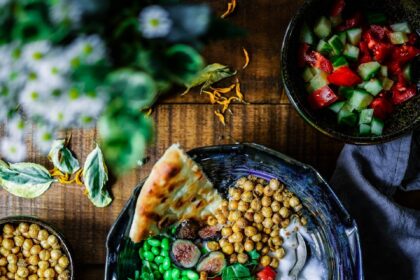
(155, 250)
(154, 266)
(167, 275)
(192, 275)
(165, 244)
(166, 263)
(141, 253)
(149, 256)
(184, 278)
(176, 273)
(159, 259)
(153, 242)
(146, 246)
(161, 269)
(157, 275)
(164, 253)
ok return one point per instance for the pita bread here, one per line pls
(176, 189)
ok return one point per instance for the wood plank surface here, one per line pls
(189, 120)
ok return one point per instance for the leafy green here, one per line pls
(137, 88)
(184, 63)
(254, 255)
(125, 134)
(26, 180)
(95, 176)
(237, 271)
(63, 158)
(211, 74)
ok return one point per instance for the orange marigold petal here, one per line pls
(246, 54)
(220, 116)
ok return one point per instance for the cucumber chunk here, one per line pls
(407, 73)
(373, 86)
(364, 129)
(384, 71)
(345, 92)
(336, 44)
(368, 70)
(337, 20)
(343, 37)
(354, 35)
(351, 52)
(306, 35)
(346, 116)
(324, 48)
(401, 27)
(376, 18)
(398, 38)
(387, 83)
(336, 107)
(339, 61)
(360, 99)
(366, 116)
(377, 126)
(319, 80)
(323, 28)
(307, 74)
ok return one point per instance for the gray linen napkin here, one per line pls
(365, 179)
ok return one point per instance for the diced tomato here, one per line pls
(381, 51)
(351, 22)
(379, 32)
(402, 93)
(412, 38)
(364, 53)
(322, 97)
(267, 274)
(382, 108)
(317, 60)
(337, 8)
(345, 77)
(217, 278)
(404, 54)
(303, 49)
(395, 68)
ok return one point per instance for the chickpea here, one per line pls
(236, 237)
(203, 275)
(3, 261)
(43, 235)
(259, 246)
(267, 230)
(221, 219)
(243, 206)
(12, 259)
(259, 190)
(22, 272)
(234, 216)
(274, 184)
(250, 231)
(233, 258)
(235, 194)
(241, 181)
(34, 230)
(258, 217)
(249, 245)
(26, 253)
(268, 223)
(238, 247)
(226, 231)
(52, 240)
(267, 212)
(274, 263)
(265, 250)
(294, 201)
(259, 227)
(284, 212)
(280, 253)
(10, 275)
(35, 249)
(44, 255)
(256, 204)
(3, 270)
(8, 243)
(266, 201)
(33, 260)
(275, 231)
(33, 277)
(252, 177)
(23, 227)
(276, 219)
(53, 262)
(12, 267)
(19, 240)
(32, 269)
(15, 250)
(222, 243)
(264, 238)
(236, 228)
(303, 221)
(242, 258)
(227, 249)
(211, 245)
(58, 269)
(225, 203)
(49, 273)
(233, 205)
(27, 244)
(43, 265)
(286, 203)
(247, 196)
(275, 206)
(40, 273)
(241, 223)
(8, 229)
(268, 191)
(265, 260)
(256, 237)
(248, 186)
(278, 196)
(249, 216)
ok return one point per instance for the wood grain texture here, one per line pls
(189, 120)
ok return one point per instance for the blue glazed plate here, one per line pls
(334, 232)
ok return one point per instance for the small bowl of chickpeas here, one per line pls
(32, 249)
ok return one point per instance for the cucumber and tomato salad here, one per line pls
(358, 66)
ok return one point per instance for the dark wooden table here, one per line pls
(269, 120)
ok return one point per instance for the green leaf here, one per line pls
(95, 176)
(184, 63)
(254, 255)
(62, 157)
(28, 180)
(236, 271)
(211, 74)
(137, 88)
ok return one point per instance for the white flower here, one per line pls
(16, 127)
(34, 53)
(44, 137)
(155, 22)
(31, 98)
(58, 114)
(68, 12)
(86, 49)
(13, 150)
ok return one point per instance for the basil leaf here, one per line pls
(28, 180)
(209, 75)
(62, 157)
(95, 176)
(236, 271)
(254, 255)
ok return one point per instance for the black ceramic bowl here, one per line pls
(334, 232)
(406, 116)
(52, 230)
